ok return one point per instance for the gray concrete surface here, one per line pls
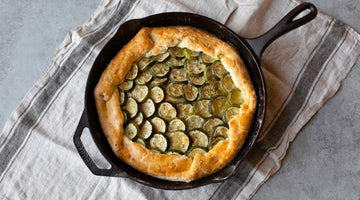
(322, 163)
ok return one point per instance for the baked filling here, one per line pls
(176, 103)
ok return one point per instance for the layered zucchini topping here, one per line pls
(178, 102)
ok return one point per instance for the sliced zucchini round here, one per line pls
(158, 142)
(227, 83)
(176, 62)
(121, 97)
(143, 78)
(208, 74)
(195, 151)
(221, 131)
(194, 67)
(219, 106)
(174, 100)
(157, 94)
(210, 124)
(158, 124)
(126, 85)
(160, 69)
(131, 107)
(162, 57)
(235, 97)
(178, 75)
(145, 130)
(206, 58)
(219, 69)
(176, 125)
(179, 141)
(176, 51)
(138, 119)
(199, 138)
(131, 130)
(190, 92)
(139, 93)
(215, 89)
(141, 141)
(184, 110)
(197, 80)
(173, 153)
(194, 122)
(216, 141)
(125, 115)
(174, 89)
(148, 108)
(132, 74)
(167, 111)
(202, 108)
(191, 55)
(231, 112)
(205, 92)
(158, 81)
(144, 63)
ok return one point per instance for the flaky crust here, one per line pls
(152, 41)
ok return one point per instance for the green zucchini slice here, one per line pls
(131, 107)
(215, 89)
(138, 119)
(219, 106)
(184, 110)
(194, 67)
(195, 151)
(125, 115)
(157, 94)
(178, 75)
(160, 69)
(221, 131)
(158, 81)
(173, 153)
(126, 85)
(162, 57)
(216, 141)
(141, 141)
(208, 74)
(144, 63)
(145, 130)
(231, 112)
(190, 92)
(167, 111)
(139, 93)
(158, 142)
(206, 58)
(205, 92)
(158, 124)
(174, 89)
(199, 138)
(197, 80)
(176, 51)
(191, 55)
(194, 122)
(235, 97)
(174, 100)
(131, 130)
(121, 97)
(132, 74)
(202, 108)
(176, 125)
(176, 62)
(210, 124)
(179, 141)
(148, 108)
(219, 69)
(227, 83)
(143, 78)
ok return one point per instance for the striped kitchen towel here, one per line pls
(303, 69)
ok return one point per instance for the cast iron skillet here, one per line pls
(250, 51)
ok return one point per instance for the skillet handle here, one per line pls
(113, 171)
(286, 24)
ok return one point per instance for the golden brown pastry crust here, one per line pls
(152, 41)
